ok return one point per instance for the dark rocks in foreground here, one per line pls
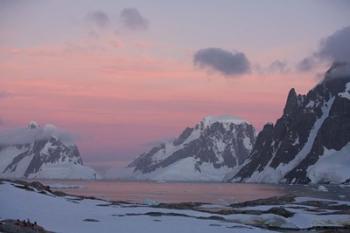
(21, 226)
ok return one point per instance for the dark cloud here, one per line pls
(225, 62)
(334, 48)
(99, 18)
(132, 19)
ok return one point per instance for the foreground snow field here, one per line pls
(71, 214)
(58, 212)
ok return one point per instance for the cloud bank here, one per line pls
(334, 48)
(225, 62)
(132, 19)
(20, 136)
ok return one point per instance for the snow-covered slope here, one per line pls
(41, 152)
(310, 143)
(204, 153)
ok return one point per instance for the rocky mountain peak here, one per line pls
(292, 102)
(310, 141)
(41, 152)
(33, 125)
(206, 151)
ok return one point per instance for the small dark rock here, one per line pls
(90, 220)
(280, 211)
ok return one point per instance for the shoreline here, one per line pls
(286, 213)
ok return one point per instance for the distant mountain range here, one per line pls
(41, 152)
(310, 143)
(206, 152)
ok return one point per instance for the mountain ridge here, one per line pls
(206, 151)
(41, 152)
(312, 124)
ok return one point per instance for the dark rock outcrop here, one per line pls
(310, 125)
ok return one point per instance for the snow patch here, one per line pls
(333, 166)
(209, 120)
(346, 93)
(186, 170)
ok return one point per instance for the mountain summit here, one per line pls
(310, 143)
(41, 152)
(205, 152)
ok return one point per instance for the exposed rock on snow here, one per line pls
(205, 152)
(310, 142)
(20, 226)
(41, 152)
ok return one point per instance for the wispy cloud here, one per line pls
(306, 64)
(132, 19)
(28, 135)
(278, 66)
(98, 18)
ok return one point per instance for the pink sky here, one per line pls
(123, 105)
(121, 90)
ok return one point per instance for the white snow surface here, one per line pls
(209, 120)
(346, 93)
(185, 170)
(333, 166)
(67, 215)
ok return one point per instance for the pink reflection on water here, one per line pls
(218, 193)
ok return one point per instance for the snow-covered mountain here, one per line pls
(310, 143)
(41, 152)
(205, 152)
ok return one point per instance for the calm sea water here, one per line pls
(218, 193)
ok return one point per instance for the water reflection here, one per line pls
(218, 193)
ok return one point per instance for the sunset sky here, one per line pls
(122, 76)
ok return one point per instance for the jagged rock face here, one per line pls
(41, 154)
(214, 143)
(314, 129)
